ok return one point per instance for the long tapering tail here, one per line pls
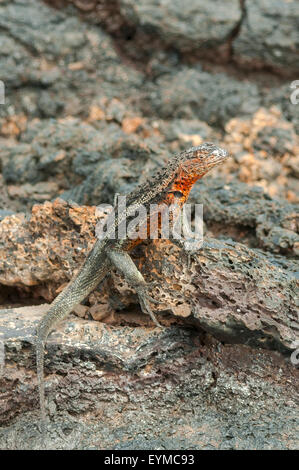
(92, 272)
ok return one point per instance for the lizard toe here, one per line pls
(146, 309)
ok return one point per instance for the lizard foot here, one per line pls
(144, 300)
(191, 248)
(152, 300)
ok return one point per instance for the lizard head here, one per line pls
(197, 161)
(194, 163)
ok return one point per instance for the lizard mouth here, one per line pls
(217, 156)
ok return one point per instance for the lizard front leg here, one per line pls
(125, 265)
(191, 242)
(189, 246)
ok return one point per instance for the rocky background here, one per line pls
(98, 95)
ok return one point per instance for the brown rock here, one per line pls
(238, 294)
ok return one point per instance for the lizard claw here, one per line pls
(190, 248)
(147, 296)
(144, 298)
(152, 300)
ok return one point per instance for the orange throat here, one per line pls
(183, 184)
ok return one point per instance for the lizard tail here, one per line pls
(91, 273)
(40, 377)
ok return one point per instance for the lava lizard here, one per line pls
(170, 185)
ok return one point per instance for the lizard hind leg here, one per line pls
(125, 265)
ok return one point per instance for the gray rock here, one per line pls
(16, 64)
(281, 98)
(49, 105)
(85, 168)
(109, 177)
(42, 29)
(213, 98)
(47, 149)
(269, 34)
(186, 27)
(150, 389)
(182, 128)
(249, 215)
(4, 213)
(38, 49)
(276, 141)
